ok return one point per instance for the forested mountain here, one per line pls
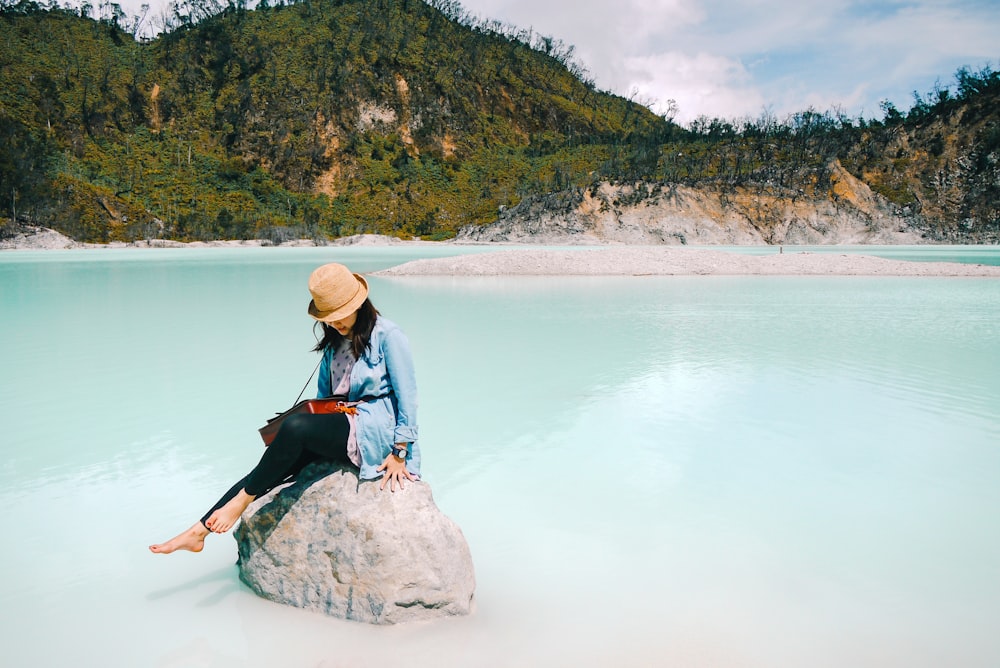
(929, 175)
(332, 117)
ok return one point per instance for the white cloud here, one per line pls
(603, 33)
(702, 84)
(917, 38)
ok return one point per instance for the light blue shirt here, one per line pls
(385, 370)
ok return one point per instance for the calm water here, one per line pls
(703, 471)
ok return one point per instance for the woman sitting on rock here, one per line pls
(365, 358)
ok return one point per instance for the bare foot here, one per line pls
(224, 519)
(192, 540)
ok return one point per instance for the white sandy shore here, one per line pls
(597, 261)
(43, 238)
(674, 261)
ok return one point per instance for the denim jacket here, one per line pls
(385, 370)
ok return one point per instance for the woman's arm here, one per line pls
(323, 382)
(399, 365)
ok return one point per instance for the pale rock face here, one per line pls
(671, 214)
(371, 116)
(331, 544)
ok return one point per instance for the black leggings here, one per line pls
(303, 438)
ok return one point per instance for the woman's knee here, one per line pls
(294, 428)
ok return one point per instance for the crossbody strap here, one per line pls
(311, 376)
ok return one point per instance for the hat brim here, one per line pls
(347, 309)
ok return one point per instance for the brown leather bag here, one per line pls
(314, 406)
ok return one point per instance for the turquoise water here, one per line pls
(684, 471)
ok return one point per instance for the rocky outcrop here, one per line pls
(34, 238)
(332, 544)
(657, 214)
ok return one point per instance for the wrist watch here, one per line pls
(399, 451)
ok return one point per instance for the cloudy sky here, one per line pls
(735, 58)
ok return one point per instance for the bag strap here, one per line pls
(303, 391)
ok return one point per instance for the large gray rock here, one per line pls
(348, 549)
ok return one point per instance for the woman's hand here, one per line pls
(395, 471)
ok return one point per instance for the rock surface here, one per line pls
(37, 238)
(680, 215)
(350, 550)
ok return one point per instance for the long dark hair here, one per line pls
(361, 333)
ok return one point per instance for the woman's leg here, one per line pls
(303, 438)
(192, 540)
(304, 434)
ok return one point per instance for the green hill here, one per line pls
(334, 117)
(321, 118)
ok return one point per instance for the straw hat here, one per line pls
(336, 292)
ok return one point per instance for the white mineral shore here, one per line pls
(43, 238)
(674, 261)
(586, 261)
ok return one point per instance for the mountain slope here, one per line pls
(334, 117)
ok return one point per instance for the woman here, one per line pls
(365, 357)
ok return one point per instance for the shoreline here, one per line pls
(45, 239)
(583, 260)
(677, 261)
